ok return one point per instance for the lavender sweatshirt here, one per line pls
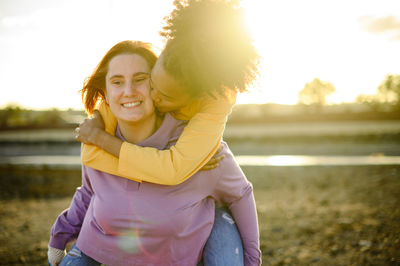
(117, 221)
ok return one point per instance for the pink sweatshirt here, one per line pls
(122, 222)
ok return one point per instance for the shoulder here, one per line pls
(229, 165)
(232, 182)
(226, 151)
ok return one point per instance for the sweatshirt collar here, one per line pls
(161, 137)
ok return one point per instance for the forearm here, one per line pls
(194, 148)
(245, 215)
(64, 230)
(102, 150)
(196, 145)
(68, 224)
(107, 142)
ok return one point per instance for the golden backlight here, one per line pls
(303, 40)
(47, 49)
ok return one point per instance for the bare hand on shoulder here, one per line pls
(88, 130)
(214, 161)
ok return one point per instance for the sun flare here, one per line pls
(351, 44)
(302, 40)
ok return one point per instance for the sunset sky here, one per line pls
(48, 47)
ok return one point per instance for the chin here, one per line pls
(131, 121)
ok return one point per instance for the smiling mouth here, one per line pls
(131, 104)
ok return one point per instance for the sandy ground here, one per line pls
(307, 216)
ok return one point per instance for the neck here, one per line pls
(139, 131)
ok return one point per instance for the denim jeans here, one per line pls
(223, 247)
(75, 257)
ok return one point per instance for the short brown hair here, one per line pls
(208, 47)
(94, 87)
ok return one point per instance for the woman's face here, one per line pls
(127, 88)
(167, 93)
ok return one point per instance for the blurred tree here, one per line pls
(49, 117)
(14, 116)
(315, 92)
(389, 90)
(371, 101)
(10, 114)
(387, 97)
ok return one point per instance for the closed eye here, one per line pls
(140, 77)
(117, 82)
(139, 80)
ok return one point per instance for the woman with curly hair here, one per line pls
(116, 221)
(207, 59)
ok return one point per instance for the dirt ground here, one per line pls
(344, 215)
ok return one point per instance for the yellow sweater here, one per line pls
(197, 144)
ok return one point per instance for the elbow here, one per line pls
(244, 197)
(173, 172)
(86, 160)
(172, 179)
(247, 190)
(88, 154)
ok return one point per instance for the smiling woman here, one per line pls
(209, 57)
(123, 222)
(128, 95)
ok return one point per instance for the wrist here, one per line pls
(97, 138)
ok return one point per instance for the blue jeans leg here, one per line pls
(75, 257)
(224, 245)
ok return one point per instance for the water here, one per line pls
(299, 160)
(39, 161)
(244, 160)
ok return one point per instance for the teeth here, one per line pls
(130, 104)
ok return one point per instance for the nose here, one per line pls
(130, 88)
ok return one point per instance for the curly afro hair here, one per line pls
(208, 47)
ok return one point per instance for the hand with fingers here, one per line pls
(86, 132)
(55, 255)
(214, 161)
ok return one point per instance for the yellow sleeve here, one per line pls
(96, 157)
(197, 144)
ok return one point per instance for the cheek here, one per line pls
(156, 96)
(147, 94)
(106, 97)
(107, 94)
(111, 95)
(153, 94)
(144, 89)
(149, 103)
